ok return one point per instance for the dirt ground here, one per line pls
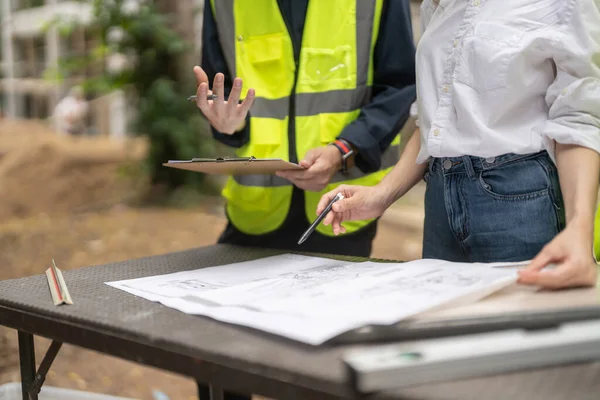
(72, 206)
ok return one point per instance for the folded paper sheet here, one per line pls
(313, 299)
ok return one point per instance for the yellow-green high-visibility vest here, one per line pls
(323, 92)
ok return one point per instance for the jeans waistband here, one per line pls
(472, 164)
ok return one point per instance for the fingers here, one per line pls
(570, 273)
(290, 175)
(310, 158)
(201, 100)
(328, 220)
(247, 103)
(540, 261)
(219, 88)
(201, 76)
(337, 224)
(234, 95)
(344, 205)
(326, 198)
(557, 278)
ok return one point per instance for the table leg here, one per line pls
(27, 360)
(209, 392)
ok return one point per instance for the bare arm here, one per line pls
(366, 202)
(406, 173)
(572, 250)
(579, 174)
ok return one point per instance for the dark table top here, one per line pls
(106, 319)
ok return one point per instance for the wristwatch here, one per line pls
(347, 152)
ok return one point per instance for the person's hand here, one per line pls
(320, 165)
(359, 203)
(225, 116)
(572, 252)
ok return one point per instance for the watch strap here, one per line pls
(346, 151)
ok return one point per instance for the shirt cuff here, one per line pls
(414, 112)
(237, 139)
(368, 157)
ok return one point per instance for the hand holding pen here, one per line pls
(224, 116)
(320, 218)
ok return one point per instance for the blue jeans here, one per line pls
(500, 209)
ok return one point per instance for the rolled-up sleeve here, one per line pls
(574, 97)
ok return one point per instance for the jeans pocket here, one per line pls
(521, 180)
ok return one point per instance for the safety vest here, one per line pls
(323, 92)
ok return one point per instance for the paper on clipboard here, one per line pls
(234, 166)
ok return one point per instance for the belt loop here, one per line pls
(430, 167)
(469, 167)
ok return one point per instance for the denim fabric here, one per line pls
(499, 209)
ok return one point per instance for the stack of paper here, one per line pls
(312, 299)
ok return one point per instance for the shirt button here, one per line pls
(446, 88)
(476, 2)
(436, 132)
(565, 91)
(455, 43)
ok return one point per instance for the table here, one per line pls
(116, 323)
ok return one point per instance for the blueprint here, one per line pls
(180, 284)
(313, 299)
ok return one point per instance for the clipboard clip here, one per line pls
(227, 159)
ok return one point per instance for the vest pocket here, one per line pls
(265, 48)
(266, 66)
(326, 67)
(266, 138)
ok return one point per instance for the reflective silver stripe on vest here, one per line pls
(388, 159)
(266, 108)
(365, 14)
(309, 104)
(334, 101)
(226, 28)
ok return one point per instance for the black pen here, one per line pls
(209, 97)
(312, 228)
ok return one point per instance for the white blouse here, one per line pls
(508, 76)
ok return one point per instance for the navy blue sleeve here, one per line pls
(213, 62)
(394, 88)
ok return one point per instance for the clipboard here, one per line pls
(234, 166)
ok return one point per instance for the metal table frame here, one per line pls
(174, 360)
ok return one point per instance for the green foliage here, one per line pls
(147, 54)
(171, 132)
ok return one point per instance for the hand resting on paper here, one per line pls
(571, 251)
(320, 165)
(226, 116)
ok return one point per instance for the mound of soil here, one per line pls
(44, 172)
